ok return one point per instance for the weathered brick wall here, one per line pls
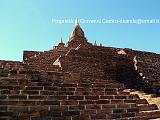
(28, 54)
(43, 62)
(148, 67)
(147, 70)
(106, 63)
(85, 66)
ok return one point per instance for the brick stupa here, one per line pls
(81, 81)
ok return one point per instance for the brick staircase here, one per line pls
(151, 98)
(24, 97)
(37, 90)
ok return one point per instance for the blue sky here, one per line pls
(27, 24)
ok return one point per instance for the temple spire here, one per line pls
(61, 40)
(77, 31)
(76, 22)
(61, 43)
(95, 43)
(77, 36)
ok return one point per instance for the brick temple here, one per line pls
(81, 81)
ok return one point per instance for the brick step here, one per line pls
(16, 83)
(1, 69)
(36, 96)
(9, 83)
(94, 92)
(14, 79)
(5, 115)
(55, 118)
(99, 91)
(36, 80)
(3, 108)
(14, 71)
(50, 88)
(69, 101)
(142, 101)
(134, 118)
(5, 118)
(5, 69)
(99, 116)
(17, 79)
(102, 116)
(60, 93)
(8, 92)
(17, 76)
(36, 108)
(109, 114)
(122, 93)
(87, 80)
(34, 88)
(4, 74)
(137, 101)
(150, 114)
(56, 89)
(60, 113)
(143, 94)
(41, 112)
(29, 102)
(134, 96)
(42, 83)
(147, 107)
(149, 96)
(17, 115)
(115, 85)
(102, 85)
(11, 87)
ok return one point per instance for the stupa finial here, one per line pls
(76, 22)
